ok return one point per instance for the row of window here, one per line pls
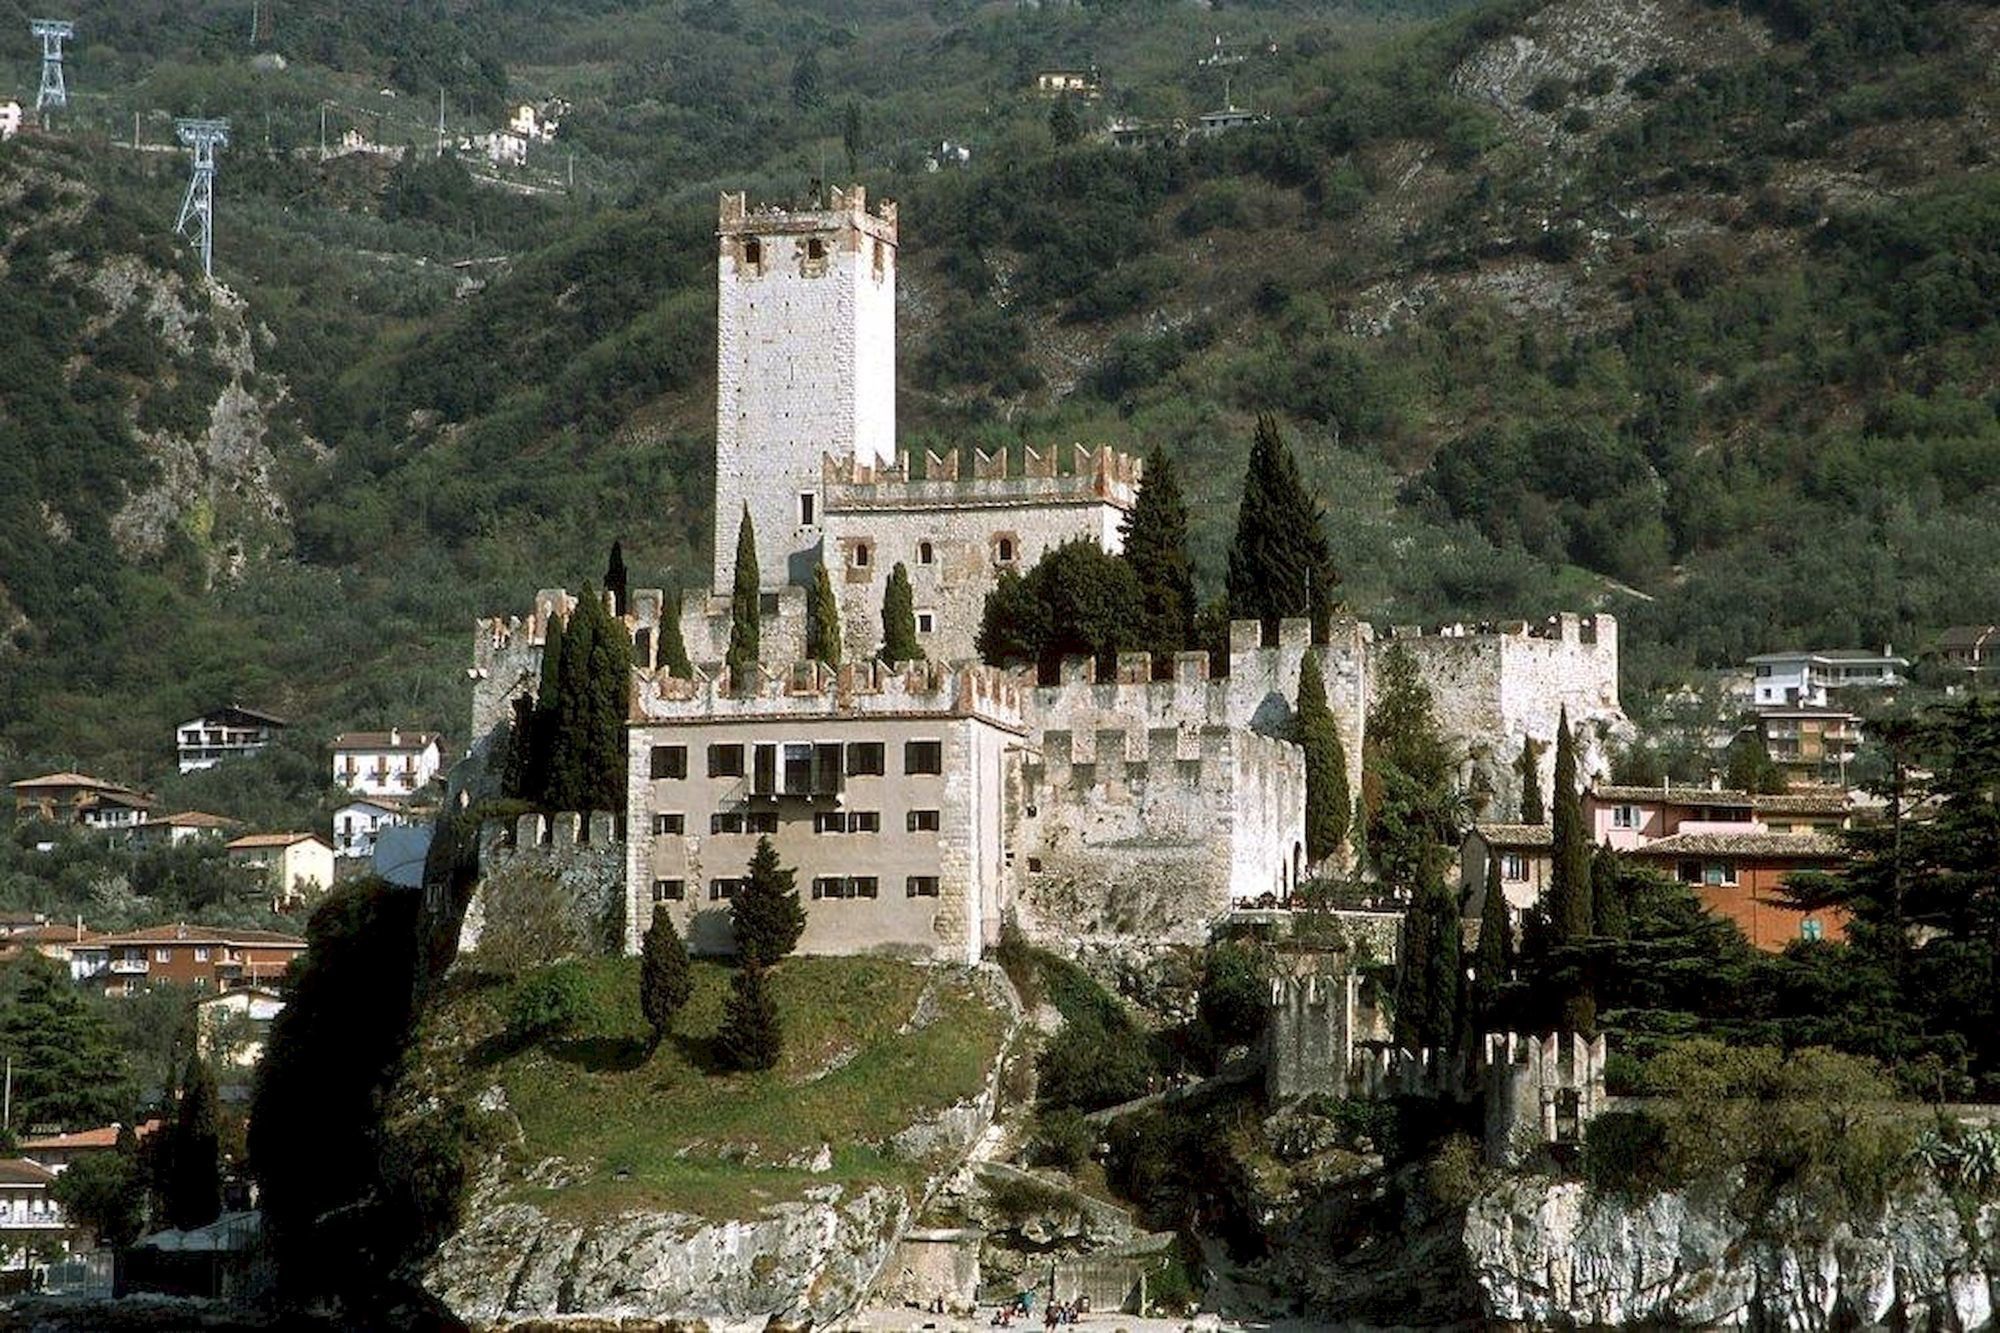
(861, 555)
(824, 887)
(805, 766)
(674, 824)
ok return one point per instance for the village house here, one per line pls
(57, 1152)
(1224, 119)
(1968, 648)
(356, 824)
(1526, 855)
(54, 940)
(29, 1214)
(183, 826)
(208, 958)
(10, 120)
(1811, 745)
(386, 763)
(224, 733)
(1082, 83)
(1741, 875)
(78, 798)
(297, 865)
(233, 1027)
(1791, 679)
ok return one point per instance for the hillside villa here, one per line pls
(386, 763)
(297, 865)
(224, 733)
(205, 957)
(78, 798)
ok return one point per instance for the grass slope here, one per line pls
(871, 1047)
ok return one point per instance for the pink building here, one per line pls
(1628, 818)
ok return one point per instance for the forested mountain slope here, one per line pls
(1682, 309)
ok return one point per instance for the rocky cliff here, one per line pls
(1548, 1253)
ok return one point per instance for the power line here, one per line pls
(54, 91)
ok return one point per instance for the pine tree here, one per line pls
(194, 1183)
(673, 653)
(68, 1068)
(805, 80)
(1427, 981)
(744, 595)
(666, 980)
(822, 620)
(766, 913)
(1064, 126)
(1496, 951)
(1155, 536)
(899, 619)
(1408, 776)
(616, 582)
(1279, 563)
(751, 1037)
(1327, 799)
(1529, 767)
(1571, 915)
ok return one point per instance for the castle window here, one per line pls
(669, 890)
(725, 761)
(726, 821)
(881, 257)
(920, 886)
(864, 759)
(862, 555)
(815, 249)
(829, 821)
(1003, 550)
(926, 555)
(829, 886)
(669, 824)
(669, 761)
(721, 890)
(1034, 865)
(761, 821)
(1514, 866)
(753, 252)
(926, 622)
(923, 821)
(921, 757)
(806, 515)
(798, 769)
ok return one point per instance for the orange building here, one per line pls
(1741, 876)
(205, 957)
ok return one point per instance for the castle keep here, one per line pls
(923, 804)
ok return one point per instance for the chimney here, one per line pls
(1715, 781)
(395, 736)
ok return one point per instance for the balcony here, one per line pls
(129, 967)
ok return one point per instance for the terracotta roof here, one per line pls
(104, 1136)
(59, 780)
(57, 932)
(1777, 846)
(1804, 803)
(1685, 794)
(255, 840)
(1805, 710)
(1966, 636)
(21, 1171)
(381, 740)
(182, 933)
(196, 819)
(1527, 837)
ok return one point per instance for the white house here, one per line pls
(10, 119)
(386, 763)
(234, 1025)
(299, 864)
(223, 734)
(356, 824)
(183, 826)
(28, 1213)
(532, 123)
(1795, 679)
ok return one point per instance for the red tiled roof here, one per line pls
(381, 740)
(195, 819)
(1772, 846)
(60, 780)
(1518, 837)
(254, 840)
(21, 1171)
(104, 1136)
(185, 934)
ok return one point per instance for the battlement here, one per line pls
(866, 688)
(560, 831)
(844, 208)
(1108, 756)
(1097, 474)
(1566, 627)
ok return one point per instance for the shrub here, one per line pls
(1452, 1176)
(1089, 1066)
(1063, 1139)
(1624, 1152)
(549, 1004)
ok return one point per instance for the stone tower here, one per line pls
(805, 366)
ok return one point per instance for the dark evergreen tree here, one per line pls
(1611, 919)
(67, 1068)
(899, 619)
(745, 594)
(1408, 775)
(1012, 624)
(1078, 601)
(822, 620)
(1750, 766)
(193, 1190)
(1156, 550)
(1529, 767)
(805, 80)
(751, 1037)
(850, 135)
(672, 652)
(616, 581)
(1572, 918)
(1279, 563)
(548, 714)
(518, 760)
(587, 757)
(1427, 979)
(1495, 956)
(1328, 801)
(106, 1192)
(766, 912)
(1065, 127)
(666, 979)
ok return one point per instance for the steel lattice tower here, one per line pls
(53, 32)
(204, 137)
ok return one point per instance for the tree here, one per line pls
(1427, 979)
(805, 80)
(519, 757)
(1064, 125)
(1750, 766)
(1235, 992)
(67, 1069)
(822, 620)
(587, 755)
(673, 653)
(547, 714)
(106, 1192)
(1571, 915)
(1155, 535)
(1408, 776)
(850, 134)
(1078, 601)
(666, 981)
(766, 913)
(1328, 802)
(1013, 623)
(899, 619)
(1529, 766)
(1496, 951)
(193, 1191)
(744, 595)
(616, 582)
(1279, 562)
(751, 1037)
(1609, 917)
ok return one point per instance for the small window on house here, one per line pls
(201, 953)
(726, 821)
(862, 886)
(1514, 866)
(806, 506)
(926, 553)
(163, 955)
(829, 886)
(1688, 872)
(923, 821)
(1718, 873)
(1003, 550)
(922, 757)
(670, 824)
(669, 890)
(926, 622)
(815, 248)
(721, 890)
(864, 759)
(670, 761)
(761, 821)
(829, 821)
(861, 555)
(920, 886)
(725, 761)
(1811, 929)
(864, 821)
(753, 252)
(1624, 816)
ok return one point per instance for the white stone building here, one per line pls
(394, 763)
(1813, 679)
(225, 733)
(357, 824)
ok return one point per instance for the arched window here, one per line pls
(925, 555)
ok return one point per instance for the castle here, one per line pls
(923, 804)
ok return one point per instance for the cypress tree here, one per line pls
(1529, 767)
(766, 913)
(744, 595)
(1156, 549)
(608, 683)
(823, 620)
(1409, 772)
(1327, 798)
(1065, 126)
(673, 653)
(1427, 982)
(750, 1037)
(1612, 918)
(547, 721)
(1279, 563)
(194, 1180)
(1570, 912)
(666, 980)
(569, 782)
(616, 581)
(518, 758)
(899, 619)
(1496, 950)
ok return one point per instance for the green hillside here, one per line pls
(1689, 316)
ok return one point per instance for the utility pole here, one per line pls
(7, 1101)
(54, 91)
(440, 151)
(322, 131)
(198, 207)
(254, 6)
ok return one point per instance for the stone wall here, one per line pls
(581, 858)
